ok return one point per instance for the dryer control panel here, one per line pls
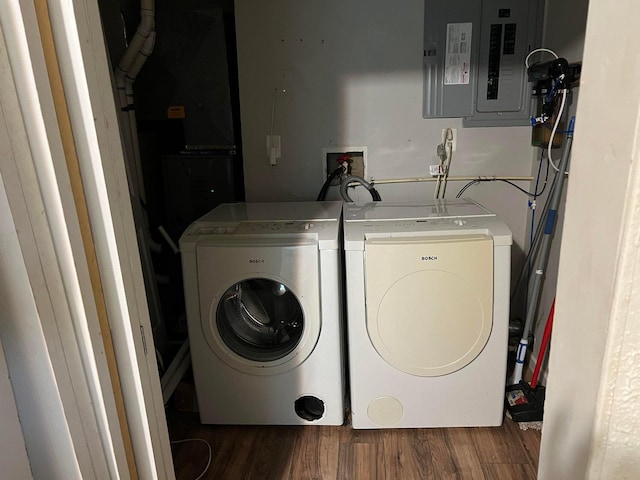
(449, 218)
(279, 227)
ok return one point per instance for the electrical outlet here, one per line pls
(357, 160)
(274, 149)
(454, 140)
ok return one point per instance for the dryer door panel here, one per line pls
(429, 301)
(260, 304)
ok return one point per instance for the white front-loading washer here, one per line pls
(427, 313)
(263, 300)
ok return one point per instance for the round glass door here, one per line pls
(260, 319)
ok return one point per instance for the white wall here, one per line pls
(350, 73)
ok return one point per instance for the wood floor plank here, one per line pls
(464, 454)
(436, 449)
(316, 454)
(508, 471)
(498, 445)
(192, 457)
(359, 461)
(530, 440)
(232, 450)
(330, 453)
(398, 459)
(271, 454)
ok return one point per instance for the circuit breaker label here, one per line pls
(457, 61)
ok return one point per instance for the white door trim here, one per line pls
(67, 351)
(84, 65)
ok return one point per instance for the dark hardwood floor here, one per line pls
(316, 452)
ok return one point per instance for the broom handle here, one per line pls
(543, 345)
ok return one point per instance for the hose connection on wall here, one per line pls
(340, 163)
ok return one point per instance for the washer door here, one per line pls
(429, 301)
(260, 302)
(260, 319)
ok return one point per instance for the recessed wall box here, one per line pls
(473, 61)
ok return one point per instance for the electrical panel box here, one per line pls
(474, 53)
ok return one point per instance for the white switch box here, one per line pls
(274, 150)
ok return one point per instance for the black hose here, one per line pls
(325, 186)
(353, 178)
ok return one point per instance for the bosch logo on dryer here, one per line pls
(429, 258)
(256, 260)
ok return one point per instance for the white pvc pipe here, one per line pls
(168, 239)
(139, 49)
(146, 26)
(484, 178)
(141, 58)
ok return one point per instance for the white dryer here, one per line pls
(427, 313)
(262, 287)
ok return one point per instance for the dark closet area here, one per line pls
(187, 118)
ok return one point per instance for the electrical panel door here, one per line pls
(474, 54)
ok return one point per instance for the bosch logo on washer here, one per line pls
(256, 260)
(429, 258)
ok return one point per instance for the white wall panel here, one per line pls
(350, 73)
